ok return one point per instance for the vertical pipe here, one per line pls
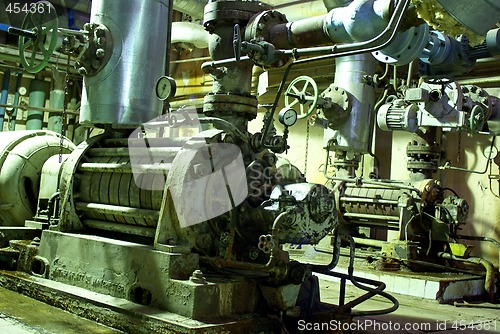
(36, 99)
(56, 101)
(12, 125)
(121, 94)
(5, 93)
(70, 132)
(356, 133)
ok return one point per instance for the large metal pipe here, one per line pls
(121, 95)
(56, 101)
(5, 93)
(36, 99)
(356, 132)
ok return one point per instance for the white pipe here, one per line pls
(303, 9)
(187, 32)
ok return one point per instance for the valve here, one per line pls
(303, 91)
(38, 34)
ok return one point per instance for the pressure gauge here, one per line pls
(165, 88)
(287, 116)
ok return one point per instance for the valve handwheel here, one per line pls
(43, 22)
(302, 90)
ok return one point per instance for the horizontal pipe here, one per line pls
(95, 167)
(120, 228)
(151, 142)
(369, 242)
(368, 200)
(378, 224)
(25, 107)
(369, 216)
(117, 210)
(125, 152)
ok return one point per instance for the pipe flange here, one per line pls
(99, 49)
(414, 150)
(230, 12)
(337, 107)
(406, 46)
(419, 166)
(221, 103)
(259, 26)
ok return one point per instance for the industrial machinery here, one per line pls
(188, 212)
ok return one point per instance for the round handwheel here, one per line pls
(304, 91)
(42, 21)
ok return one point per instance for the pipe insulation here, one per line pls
(192, 33)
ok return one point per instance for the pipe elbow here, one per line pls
(359, 21)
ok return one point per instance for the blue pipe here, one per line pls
(13, 117)
(5, 93)
(4, 27)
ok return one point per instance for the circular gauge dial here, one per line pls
(287, 116)
(165, 88)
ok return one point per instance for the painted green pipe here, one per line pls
(56, 102)
(5, 93)
(37, 99)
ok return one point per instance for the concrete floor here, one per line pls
(416, 315)
(23, 315)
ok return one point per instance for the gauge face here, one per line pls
(165, 88)
(287, 116)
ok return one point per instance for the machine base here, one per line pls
(125, 315)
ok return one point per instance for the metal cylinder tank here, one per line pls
(22, 156)
(355, 134)
(122, 93)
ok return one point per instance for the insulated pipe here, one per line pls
(12, 125)
(359, 21)
(187, 32)
(121, 94)
(56, 101)
(5, 93)
(356, 132)
(36, 99)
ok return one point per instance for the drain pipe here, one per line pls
(13, 117)
(5, 93)
(36, 99)
(489, 279)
